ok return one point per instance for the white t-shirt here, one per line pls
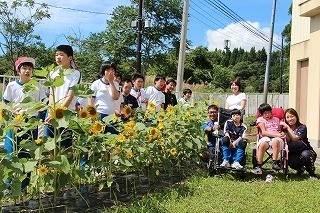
(156, 97)
(234, 101)
(14, 93)
(143, 95)
(103, 97)
(61, 92)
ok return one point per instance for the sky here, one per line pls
(206, 25)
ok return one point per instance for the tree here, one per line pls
(119, 39)
(17, 27)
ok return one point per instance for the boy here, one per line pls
(127, 98)
(64, 95)
(269, 127)
(186, 95)
(138, 92)
(170, 97)
(155, 93)
(14, 94)
(233, 142)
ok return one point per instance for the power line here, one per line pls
(72, 9)
(220, 25)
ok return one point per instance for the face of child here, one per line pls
(187, 96)
(126, 88)
(160, 83)
(138, 83)
(62, 59)
(267, 115)
(236, 118)
(25, 73)
(291, 119)
(234, 88)
(213, 114)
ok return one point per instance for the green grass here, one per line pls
(229, 193)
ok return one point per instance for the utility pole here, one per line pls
(182, 49)
(267, 73)
(281, 66)
(139, 40)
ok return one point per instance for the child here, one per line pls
(233, 142)
(186, 95)
(106, 93)
(138, 92)
(170, 97)
(155, 93)
(64, 95)
(14, 94)
(269, 129)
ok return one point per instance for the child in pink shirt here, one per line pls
(270, 136)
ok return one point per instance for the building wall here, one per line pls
(305, 46)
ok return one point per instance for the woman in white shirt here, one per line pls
(238, 99)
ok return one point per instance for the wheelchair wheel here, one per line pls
(284, 162)
(254, 157)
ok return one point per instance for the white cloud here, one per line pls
(239, 37)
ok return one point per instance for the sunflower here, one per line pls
(92, 111)
(130, 125)
(160, 118)
(83, 113)
(1, 114)
(154, 132)
(18, 118)
(121, 137)
(57, 112)
(43, 170)
(170, 110)
(147, 114)
(173, 151)
(38, 141)
(97, 127)
(129, 154)
(149, 137)
(161, 125)
(188, 114)
(215, 102)
(118, 150)
(126, 111)
(151, 106)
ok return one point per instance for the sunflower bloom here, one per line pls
(149, 137)
(92, 111)
(170, 110)
(18, 118)
(121, 137)
(147, 114)
(160, 118)
(1, 114)
(130, 125)
(43, 170)
(83, 113)
(129, 154)
(215, 102)
(160, 125)
(126, 111)
(118, 150)
(115, 118)
(151, 106)
(188, 114)
(97, 127)
(154, 132)
(38, 141)
(173, 151)
(57, 112)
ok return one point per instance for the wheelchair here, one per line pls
(213, 154)
(284, 152)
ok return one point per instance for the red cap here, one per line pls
(22, 60)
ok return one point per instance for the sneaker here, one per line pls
(225, 164)
(301, 171)
(276, 166)
(236, 165)
(257, 170)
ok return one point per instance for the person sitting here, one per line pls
(233, 142)
(269, 127)
(301, 155)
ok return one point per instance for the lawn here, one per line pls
(229, 193)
